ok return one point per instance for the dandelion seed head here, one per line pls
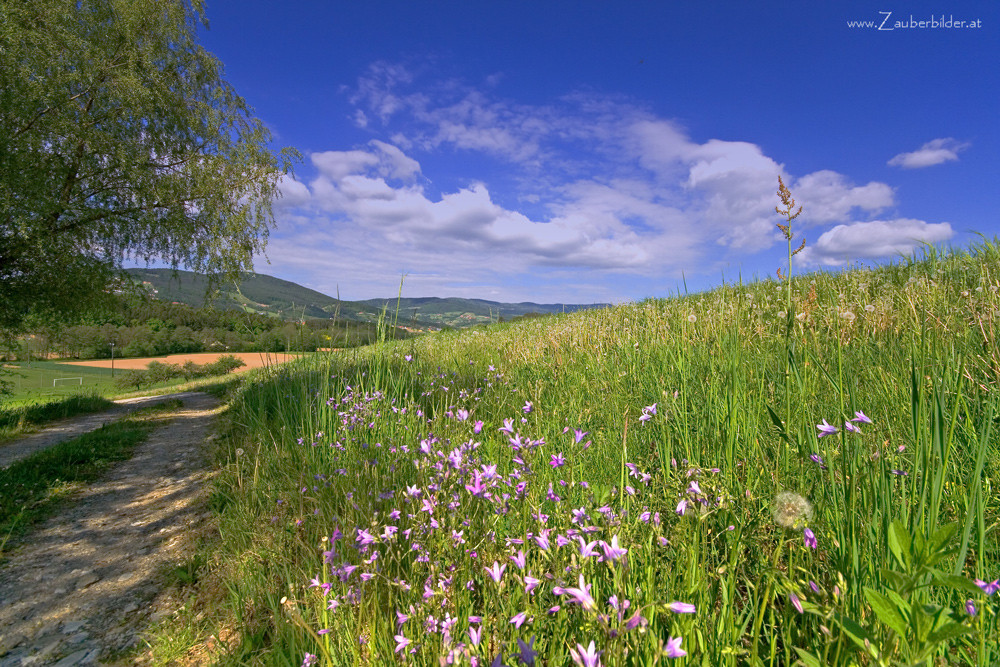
(791, 510)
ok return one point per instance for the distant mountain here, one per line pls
(290, 301)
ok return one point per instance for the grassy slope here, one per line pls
(737, 404)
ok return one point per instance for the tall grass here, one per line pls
(649, 478)
(16, 419)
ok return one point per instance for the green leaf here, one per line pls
(940, 543)
(900, 603)
(957, 583)
(895, 580)
(886, 611)
(807, 658)
(899, 543)
(856, 633)
(779, 424)
(949, 631)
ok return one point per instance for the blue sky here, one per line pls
(582, 151)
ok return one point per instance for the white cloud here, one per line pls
(826, 196)
(591, 185)
(874, 240)
(395, 163)
(932, 153)
(293, 192)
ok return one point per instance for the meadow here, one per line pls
(774, 473)
(50, 380)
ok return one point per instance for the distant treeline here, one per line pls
(147, 327)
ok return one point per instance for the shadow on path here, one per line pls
(80, 587)
(71, 427)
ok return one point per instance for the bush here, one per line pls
(161, 372)
(224, 365)
(134, 378)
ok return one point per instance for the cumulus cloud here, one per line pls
(588, 184)
(355, 187)
(293, 193)
(827, 196)
(932, 153)
(874, 240)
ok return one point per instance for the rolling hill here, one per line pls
(290, 301)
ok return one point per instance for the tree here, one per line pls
(119, 139)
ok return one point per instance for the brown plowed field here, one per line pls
(251, 359)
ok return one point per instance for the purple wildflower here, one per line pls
(586, 548)
(530, 583)
(558, 460)
(526, 652)
(861, 417)
(825, 429)
(637, 620)
(810, 538)
(308, 659)
(519, 559)
(612, 552)
(401, 643)
(795, 602)
(672, 649)
(496, 572)
(519, 619)
(988, 588)
(475, 635)
(586, 657)
(579, 435)
(528, 407)
(970, 608)
(581, 595)
(682, 607)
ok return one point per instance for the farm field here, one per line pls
(773, 473)
(47, 380)
(251, 359)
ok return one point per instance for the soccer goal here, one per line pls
(68, 381)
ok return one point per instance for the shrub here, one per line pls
(224, 365)
(161, 372)
(134, 378)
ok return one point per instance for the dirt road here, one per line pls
(87, 582)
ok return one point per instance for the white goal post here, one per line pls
(78, 380)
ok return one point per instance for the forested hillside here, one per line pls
(141, 327)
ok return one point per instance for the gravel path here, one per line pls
(84, 585)
(64, 429)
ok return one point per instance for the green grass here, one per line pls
(17, 419)
(904, 513)
(34, 488)
(34, 381)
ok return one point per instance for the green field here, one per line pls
(47, 379)
(715, 479)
